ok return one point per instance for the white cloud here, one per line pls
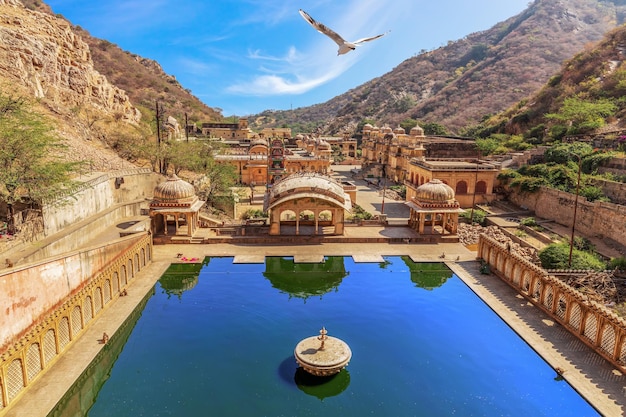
(273, 84)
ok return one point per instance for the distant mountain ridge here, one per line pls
(459, 84)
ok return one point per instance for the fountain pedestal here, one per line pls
(322, 355)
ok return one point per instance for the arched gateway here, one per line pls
(307, 203)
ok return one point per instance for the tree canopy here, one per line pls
(32, 169)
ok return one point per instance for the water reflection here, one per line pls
(304, 280)
(83, 393)
(322, 387)
(428, 275)
(179, 278)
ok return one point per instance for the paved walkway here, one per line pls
(593, 377)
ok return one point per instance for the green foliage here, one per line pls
(400, 189)
(593, 193)
(487, 146)
(431, 128)
(529, 184)
(404, 104)
(218, 179)
(358, 213)
(592, 162)
(508, 174)
(254, 214)
(556, 256)
(583, 115)
(618, 263)
(562, 153)
(479, 216)
(529, 221)
(536, 134)
(408, 124)
(32, 167)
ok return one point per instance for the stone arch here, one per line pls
(87, 310)
(97, 300)
(622, 350)
(461, 187)
(325, 215)
(561, 306)
(49, 346)
(77, 320)
(124, 276)
(115, 280)
(516, 275)
(481, 187)
(306, 214)
(526, 279)
(537, 286)
(548, 297)
(576, 316)
(63, 332)
(287, 215)
(608, 339)
(143, 257)
(33, 361)
(15, 379)
(106, 291)
(509, 265)
(129, 269)
(137, 265)
(591, 327)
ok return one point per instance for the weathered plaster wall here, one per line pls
(29, 292)
(592, 218)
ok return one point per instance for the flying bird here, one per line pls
(344, 46)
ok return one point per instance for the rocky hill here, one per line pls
(594, 75)
(149, 82)
(43, 60)
(481, 74)
(78, 82)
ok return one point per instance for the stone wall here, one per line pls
(99, 194)
(594, 324)
(616, 191)
(593, 219)
(29, 293)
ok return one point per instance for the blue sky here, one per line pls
(246, 56)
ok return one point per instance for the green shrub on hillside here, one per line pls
(556, 256)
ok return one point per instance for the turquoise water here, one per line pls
(221, 344)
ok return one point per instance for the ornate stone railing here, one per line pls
(593, 323)
(35, 352)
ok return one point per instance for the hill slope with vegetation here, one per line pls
(459, 84)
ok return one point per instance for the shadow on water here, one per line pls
(319, 387)
(82, 395)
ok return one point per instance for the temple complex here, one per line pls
(413, 159)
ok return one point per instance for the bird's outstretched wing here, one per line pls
(325, 29)
(371, 38)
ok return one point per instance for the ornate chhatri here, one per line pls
(322, 355)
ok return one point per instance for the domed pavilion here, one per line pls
(307, 204)
(174, 206)
(434, 210)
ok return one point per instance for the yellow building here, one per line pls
(472, 181)
(253, 162)
(416, 159)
